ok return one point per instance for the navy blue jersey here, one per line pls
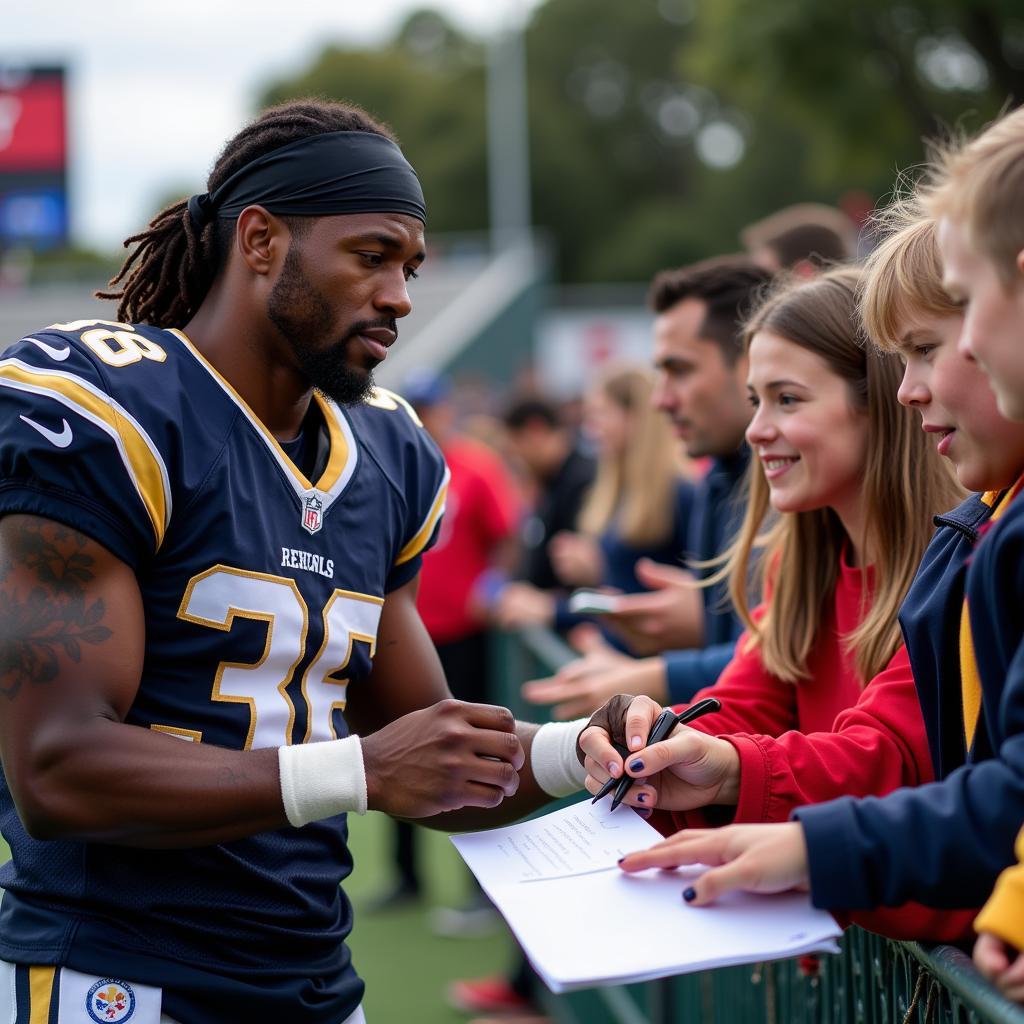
(262, 593)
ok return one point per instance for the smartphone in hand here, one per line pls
(592, 602)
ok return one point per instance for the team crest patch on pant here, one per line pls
(110, 1000)
(104, 999)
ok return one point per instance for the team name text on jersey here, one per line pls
(293, 558)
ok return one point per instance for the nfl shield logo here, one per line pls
(312, 517)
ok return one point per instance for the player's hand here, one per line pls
(584, 685)
(522, 604)
(688, 769)
(670, 615)
(576, 559)
(440, 758)
(628, 729)
(752, 858)
(1001, 964)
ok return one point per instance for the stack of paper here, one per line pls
(583, 922)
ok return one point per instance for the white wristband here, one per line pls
(319, 780)
(553, 758)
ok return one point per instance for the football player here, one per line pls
(211, 524)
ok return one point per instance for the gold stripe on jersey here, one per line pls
(40, 992)
(189, 735)
(338, 458)
(138, 453)
(426, 531)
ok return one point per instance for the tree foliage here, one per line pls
(428, 85)
(865, 84)
(659, 128)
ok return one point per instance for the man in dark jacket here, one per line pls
(701, 387)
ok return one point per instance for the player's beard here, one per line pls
(303, 316)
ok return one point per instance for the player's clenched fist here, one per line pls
(447, 756)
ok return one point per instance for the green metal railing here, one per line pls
(872, 981)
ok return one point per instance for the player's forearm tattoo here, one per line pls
(51, 616)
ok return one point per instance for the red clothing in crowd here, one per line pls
(482, 510)
(826, 737)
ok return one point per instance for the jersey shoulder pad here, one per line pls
(388, 426)
(81, 427)
(137, 366)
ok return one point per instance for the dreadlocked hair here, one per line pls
(168, 274)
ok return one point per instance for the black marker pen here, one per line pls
(663, 725)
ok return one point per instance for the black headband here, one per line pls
(337, 172)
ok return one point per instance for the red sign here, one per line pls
(32, 122)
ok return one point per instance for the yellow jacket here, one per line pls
(1003, 915)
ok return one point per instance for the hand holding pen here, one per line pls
(662, 728)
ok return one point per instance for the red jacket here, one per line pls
(824, 737)
(482, 511)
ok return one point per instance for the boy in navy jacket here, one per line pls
(978, 199)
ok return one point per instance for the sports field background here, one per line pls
(405, 965)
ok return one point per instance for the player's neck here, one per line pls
(241, 348)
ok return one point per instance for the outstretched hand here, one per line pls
(521, 604)
(667, 616)
(1001, 964)
(577, 559)
(752, 858)
(449, 755)
(583, 685)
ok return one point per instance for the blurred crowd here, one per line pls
(757, 513)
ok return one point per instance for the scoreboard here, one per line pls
(33, 157)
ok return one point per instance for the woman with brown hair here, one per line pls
(819, 700)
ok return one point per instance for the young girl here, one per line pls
(820, 699)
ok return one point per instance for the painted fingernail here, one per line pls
(689, 894)
(636, 766)
(620, 860)
(644, 812)
(642, 797)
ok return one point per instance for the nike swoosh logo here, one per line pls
(60, 354)
(61, 440)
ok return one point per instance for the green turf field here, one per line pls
(406, 967)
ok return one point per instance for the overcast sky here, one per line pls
(157, 88)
